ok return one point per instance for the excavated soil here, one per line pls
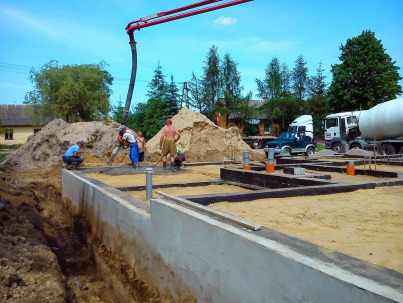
(201, 140)
(48, 255)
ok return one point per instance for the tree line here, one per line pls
(365, 76)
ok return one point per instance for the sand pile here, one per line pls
(203, 141)
(47, 146)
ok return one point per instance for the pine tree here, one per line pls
(300, 78)
(156, 104)
(196, 94)
(172, 101)
(211, 81)
(231, 87)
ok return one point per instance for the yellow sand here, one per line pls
(366, 224)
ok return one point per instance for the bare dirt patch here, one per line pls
(44, 252)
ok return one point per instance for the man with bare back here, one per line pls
(167, 143)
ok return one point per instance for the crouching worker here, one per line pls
(71, 156)
(180, 157)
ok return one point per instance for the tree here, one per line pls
(172, 101)
(230, 80)
(71, 92)
(366, 75)
(271, 89)
(271, 86)
(196, 94)
(317, 85)
(156, 104)
(300, 78)
(211, 81)
(318, 102)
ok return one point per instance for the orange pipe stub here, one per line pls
(351, 170)
(270, 167)
(247, 167)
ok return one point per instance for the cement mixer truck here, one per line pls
(379, 128)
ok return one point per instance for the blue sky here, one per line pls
(82, 32)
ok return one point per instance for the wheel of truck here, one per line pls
(336, 147)
(388, 149)
(355, 146)
(310, 151)
(258, 144)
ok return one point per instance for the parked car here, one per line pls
(293, 143)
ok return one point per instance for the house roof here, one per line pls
(256, 104)
(16, 115)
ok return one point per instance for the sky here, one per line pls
(74, 32)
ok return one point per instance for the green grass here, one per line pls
(12, 146)
(3, 155)
(321, 146)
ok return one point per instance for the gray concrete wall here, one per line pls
(171, 245)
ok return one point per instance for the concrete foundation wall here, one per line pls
(185, 250)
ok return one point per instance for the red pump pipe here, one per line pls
(144, 23)
(173, 11)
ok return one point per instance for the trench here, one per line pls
(34, 215)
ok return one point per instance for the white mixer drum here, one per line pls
(383, 121)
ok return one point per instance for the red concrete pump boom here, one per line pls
(155, 19)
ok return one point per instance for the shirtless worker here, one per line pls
(167, 143)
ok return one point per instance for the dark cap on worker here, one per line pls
(168, 121)
(80, 142)
(122, 127)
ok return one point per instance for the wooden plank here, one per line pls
(211, 211)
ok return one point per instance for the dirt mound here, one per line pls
(46, 147)
(203, 141)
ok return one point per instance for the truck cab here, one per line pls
(303, 123)
(340, 127)
(293, 143)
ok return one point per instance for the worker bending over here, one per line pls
(71, 156)
(167, 143)
(129, 138)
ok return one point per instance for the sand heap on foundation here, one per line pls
(203, 141)
(47, 146)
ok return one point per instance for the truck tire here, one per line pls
(257, 144)
(336, 147)
(287, 150)
(388, 149)
(355, 146)
(310, 151)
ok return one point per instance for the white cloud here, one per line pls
(225, 21)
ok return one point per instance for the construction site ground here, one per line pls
(365, 224)
(46, 253)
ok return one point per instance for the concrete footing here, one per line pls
(171, 245)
